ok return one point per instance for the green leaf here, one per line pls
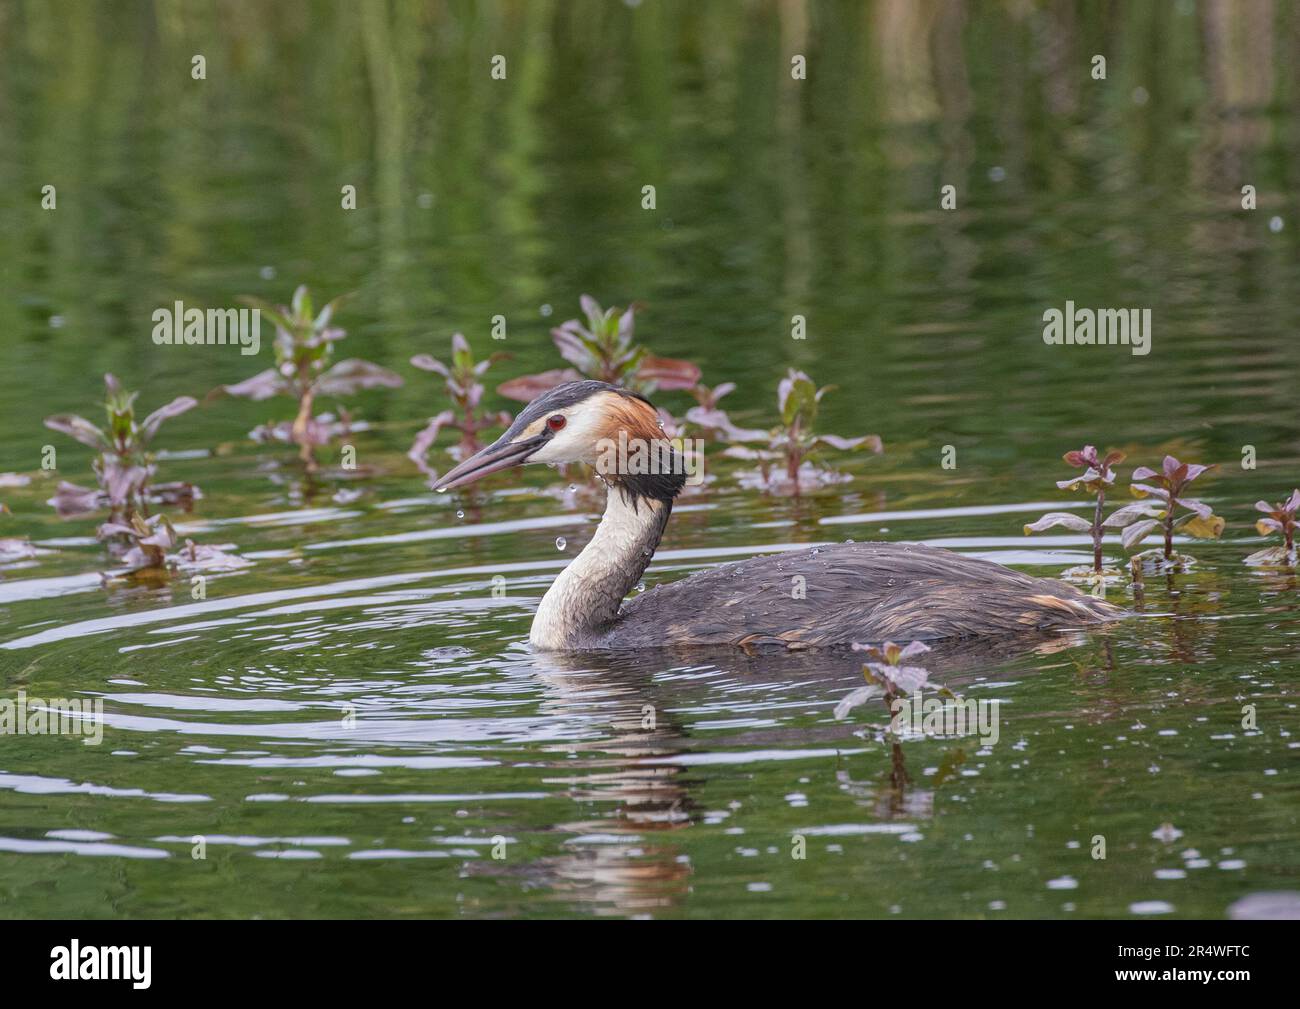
(301, 303)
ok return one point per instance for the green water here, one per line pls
(225, 717)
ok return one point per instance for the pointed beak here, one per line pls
(499, 455)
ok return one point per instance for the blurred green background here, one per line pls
(820, 197)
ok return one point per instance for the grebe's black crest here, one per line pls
(823, 597)
(568, 394)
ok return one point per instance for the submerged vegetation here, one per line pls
(124, 468)
(304, 371)
(1169, 484)
(1137, 520)
(604, 348)
(790, 455)
(1098, 474)
(125, 464)
(794, 447)
(462, 386)
(1279, 519)
(886, 675)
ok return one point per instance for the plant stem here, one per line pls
(1096, 532)
(1169, 527)
(300, 430)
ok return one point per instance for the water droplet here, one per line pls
(997, 173)
(848, 541)
(267, 272)
(1275, 224)
(546, 311)
(460, 514)
(641, 587)
(572, 487)
(560, 543)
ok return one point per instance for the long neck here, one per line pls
(585, 598)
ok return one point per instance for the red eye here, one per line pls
(556, 421)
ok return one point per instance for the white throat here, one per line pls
(585, 597)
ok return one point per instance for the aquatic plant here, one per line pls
(151, 541)
(1281, 519)
(604, 348)
(462, 386)
(125, 466)
(1097, 475)
(887, 676)
(1167, 488)
(304, 372)
(710, 417)
(13, 548)
(794, 445)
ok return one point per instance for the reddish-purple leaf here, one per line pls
(1051, 519)
(1200, 507)
(263, 385)
(572, 348)
(668, 372)
(425, 439)
(69, 499)
(122, 482)
(175, 408)
(430, 363)
(1144, 490)
(1137, 532)
(352, 375)
(1122, 517)
(527, 388)
(79, 428)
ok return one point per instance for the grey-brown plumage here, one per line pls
(824, 596)
(850, 592)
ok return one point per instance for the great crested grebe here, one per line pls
(825, 596)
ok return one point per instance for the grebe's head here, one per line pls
(574, 422)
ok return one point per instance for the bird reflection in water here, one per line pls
(631, 759)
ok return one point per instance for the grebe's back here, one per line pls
(851, 592)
